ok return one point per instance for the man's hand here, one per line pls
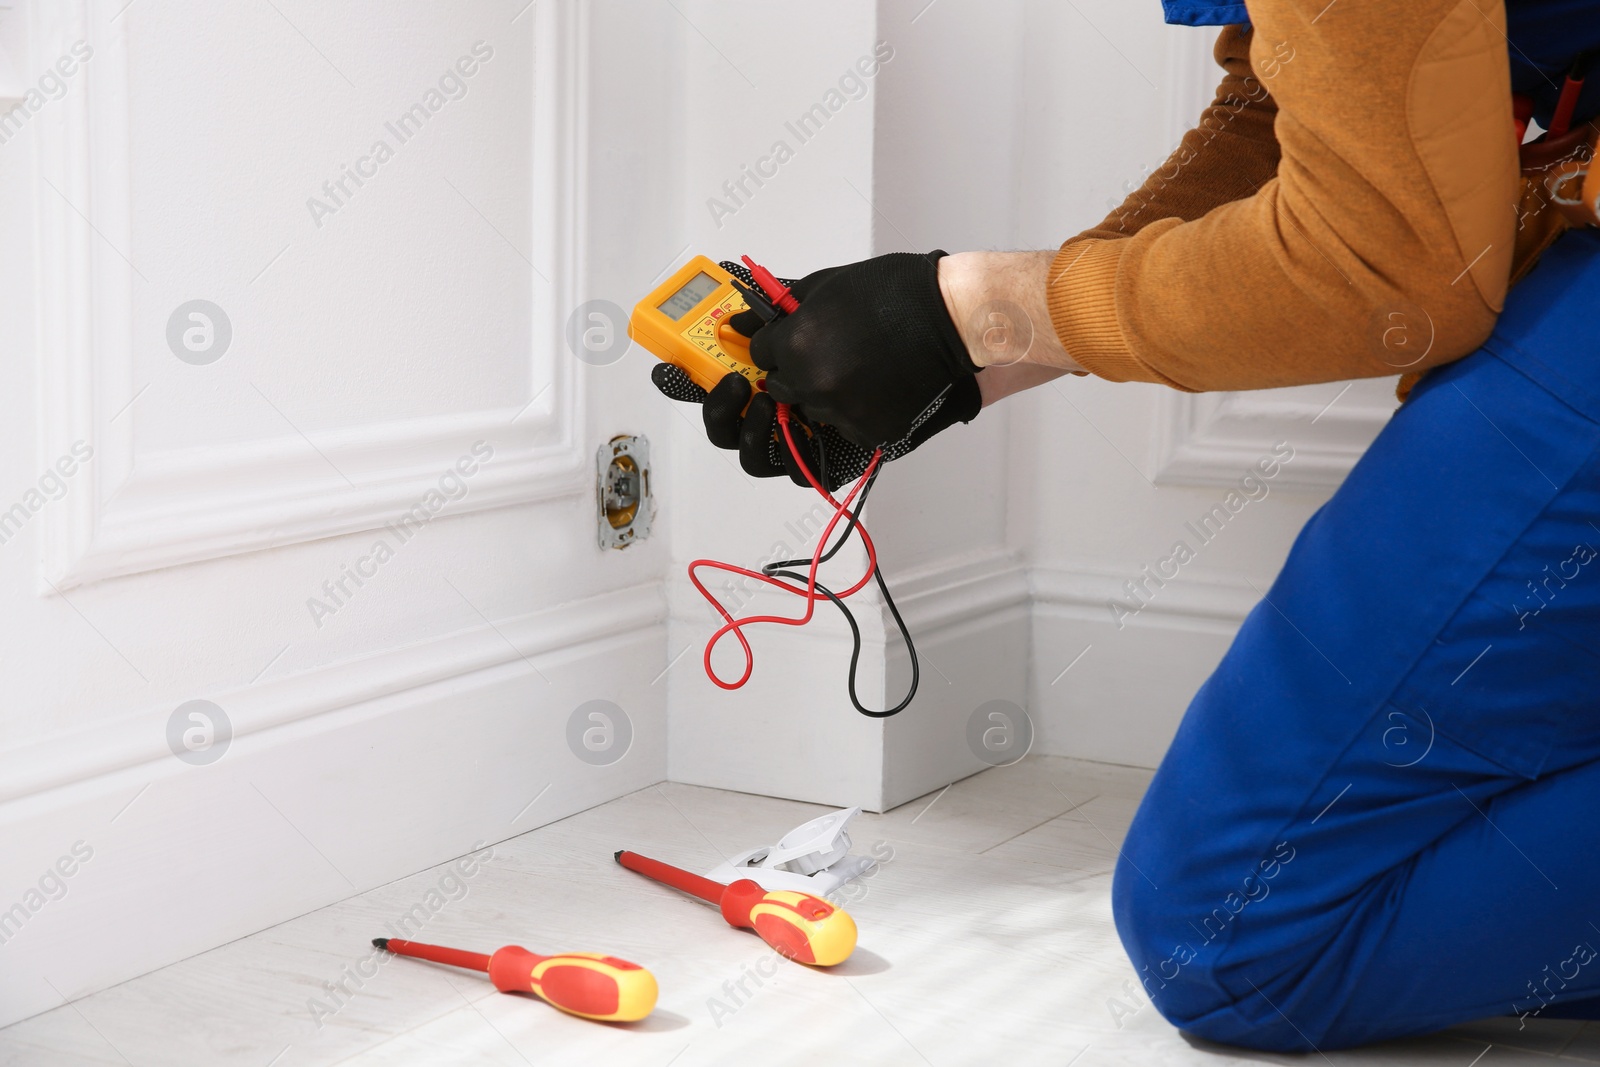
(739, 421)
(754, 433)
(871, 350)
(994, 302)
(763, 451)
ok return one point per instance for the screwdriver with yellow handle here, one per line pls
(579, 983)
(800, 926)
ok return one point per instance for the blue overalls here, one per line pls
(1381, 814)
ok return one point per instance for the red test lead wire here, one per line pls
(784, 300)
(842, 510)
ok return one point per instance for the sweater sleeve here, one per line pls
(1228, 155)
(1381, 243)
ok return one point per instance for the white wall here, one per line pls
(880, 176)
(1105, 477)
(1016, 125)
(368, 354)
(430, 710)
(750, 70)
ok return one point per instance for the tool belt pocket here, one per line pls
(1575, 190)
(1567, 174)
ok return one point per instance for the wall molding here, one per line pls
(950, 591)
(959, 589)
(1213, 601)
(335, 783)
(966, 590)
(969, 617)
(1131, 675)
(1216, 438)
(540, 638)
(130, 512)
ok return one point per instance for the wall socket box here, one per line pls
(622, 491)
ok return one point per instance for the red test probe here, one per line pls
(776, 291)
(1567, 101)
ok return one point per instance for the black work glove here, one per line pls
(870, 350)
(756, 436)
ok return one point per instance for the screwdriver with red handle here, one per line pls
(579, 983)
(800, 926)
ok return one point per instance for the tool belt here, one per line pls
(1561, 163)
(1575, 189)
(1564, 169)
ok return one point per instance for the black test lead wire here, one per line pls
(775, 570)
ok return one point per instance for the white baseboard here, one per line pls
(1114, 689)
(337, 780)
(969, 617)
(791, 731)
(987, 627)
(1204, 601)
(73, 757)
(343, 778)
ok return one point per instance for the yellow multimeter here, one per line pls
(684, 322)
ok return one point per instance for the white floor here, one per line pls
(986, 938)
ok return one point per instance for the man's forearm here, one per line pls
(998, 303)
(999, 299)
(1231, 151)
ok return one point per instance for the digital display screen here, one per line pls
(684, 300)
